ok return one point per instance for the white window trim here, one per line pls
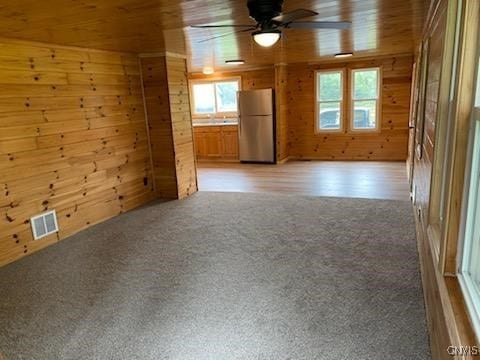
(469, 288)
(377, 100)
(213, 81)
(341, 101)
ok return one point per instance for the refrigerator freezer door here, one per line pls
(256, 142)
(256, 102)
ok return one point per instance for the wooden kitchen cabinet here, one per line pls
(230, 142)
(216, 142)
(208, 142)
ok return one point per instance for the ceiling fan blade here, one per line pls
(219, 26)
(293, 15)
(340, 25)
(227, 34)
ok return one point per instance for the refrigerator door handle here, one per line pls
(239, 124)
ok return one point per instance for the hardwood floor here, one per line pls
(362, 179)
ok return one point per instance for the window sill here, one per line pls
(444, 300)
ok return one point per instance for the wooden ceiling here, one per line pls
(379, 27)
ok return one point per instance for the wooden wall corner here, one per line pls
(167, 104)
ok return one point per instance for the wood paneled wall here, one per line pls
(427, 118)
(157, 104)
(423, 158)
(282, 111)
(268, 77)
(442, 125)
(72, 138)
(294, 86)
(170, 125)
(263, 78)
(388, 144)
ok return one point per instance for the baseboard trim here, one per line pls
(284, 160)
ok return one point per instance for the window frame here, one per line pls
(470, 289)
(343, 79)
(213, 81)
(378, 100)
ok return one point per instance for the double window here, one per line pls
(363, 102)
(214, 98)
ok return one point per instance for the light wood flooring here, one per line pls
(361, 179)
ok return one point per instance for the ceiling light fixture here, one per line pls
(208, 70)
(266, 38)
(343, 55)
(235, 62)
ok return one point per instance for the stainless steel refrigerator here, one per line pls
(256, 126)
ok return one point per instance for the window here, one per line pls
(364, 102)
(214, 98)
(365, 95)
(329, 89)
(470, 269)
(469, 274)
(226, 95)
(204, 98)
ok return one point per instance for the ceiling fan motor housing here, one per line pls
(264, 10)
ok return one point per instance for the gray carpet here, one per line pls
(224, 276)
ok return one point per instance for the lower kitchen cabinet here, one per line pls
(216, 142)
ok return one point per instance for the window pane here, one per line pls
(329, 115)
(364, 114)
(227, 96)
(365, 84)
(470, 270)
(472, 233)
(204, 98)
(329, 86)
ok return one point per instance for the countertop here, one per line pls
(214, 123)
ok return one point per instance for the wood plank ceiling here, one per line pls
(379, 27)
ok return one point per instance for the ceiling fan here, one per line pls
(270, 20)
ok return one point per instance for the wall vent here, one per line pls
(44, 224)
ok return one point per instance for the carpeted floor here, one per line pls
(224, 276)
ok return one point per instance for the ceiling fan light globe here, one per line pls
(266, 38)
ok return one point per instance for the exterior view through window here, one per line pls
(204, 98)
(212, 98)
(365, 89)
(329, 100)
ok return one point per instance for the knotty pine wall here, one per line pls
(388, 144)
(263, 78)
(170, 123)
(295, 104)
(425, 133)
(282, 112)
(439, 240)
(72, 138)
